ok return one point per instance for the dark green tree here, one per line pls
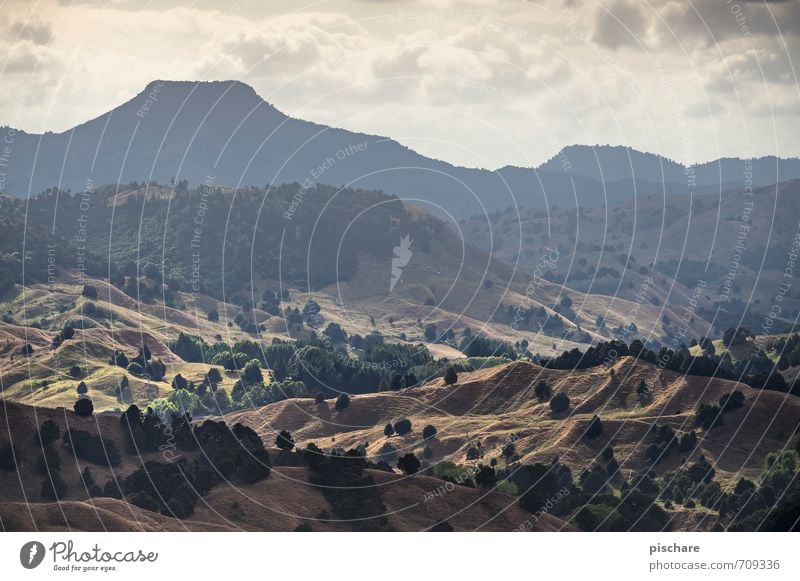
(559, 403)
(84, 407)
(409, 464)
(284, 441)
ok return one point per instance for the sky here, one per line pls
(475, 83)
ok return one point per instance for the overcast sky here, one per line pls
(457, 80)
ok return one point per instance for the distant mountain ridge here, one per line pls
(224, 133)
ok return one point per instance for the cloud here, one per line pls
(624, 22)
(37, 31)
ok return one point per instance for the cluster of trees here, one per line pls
(320, 363)
(142, 365)
(757, 371)
(95, 449)
(710, 416)
(351, 492)
(663, 439)
(173, 488)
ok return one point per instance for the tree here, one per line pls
(486, 476)
(430, 332)
(409, 464)
(595, 428)
(179, 382)
(89, 291)
(402, 426)
(397, 382)
(84, 407)
(26, 349)
(82, 389)
(450, 375)
(252, 372)
(410, 380)
(49, 432)
(319, 397)
(731, 401)
(736, 336)
(88, 482)
(566, 302)
(67, 332)
(559, 403)
(336, 333)
(53, 487)
(428, 432)
(213, 315)
(285, 441)
(388, 431)
(342, 402)
(509, 450)
(543, 391)
(9, 457)
(214, 376)
(75, 371)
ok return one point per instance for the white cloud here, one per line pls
(455, 79)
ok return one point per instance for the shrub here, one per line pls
(450, 375)
(82, 389)
(428, 432)
(402, 426)
(75, 371)
(388, 430)
(559, 403)
(84, 407)
(408, 463)
(319, 397)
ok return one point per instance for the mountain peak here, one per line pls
(233, 92)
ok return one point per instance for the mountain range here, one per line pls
(224, 133)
